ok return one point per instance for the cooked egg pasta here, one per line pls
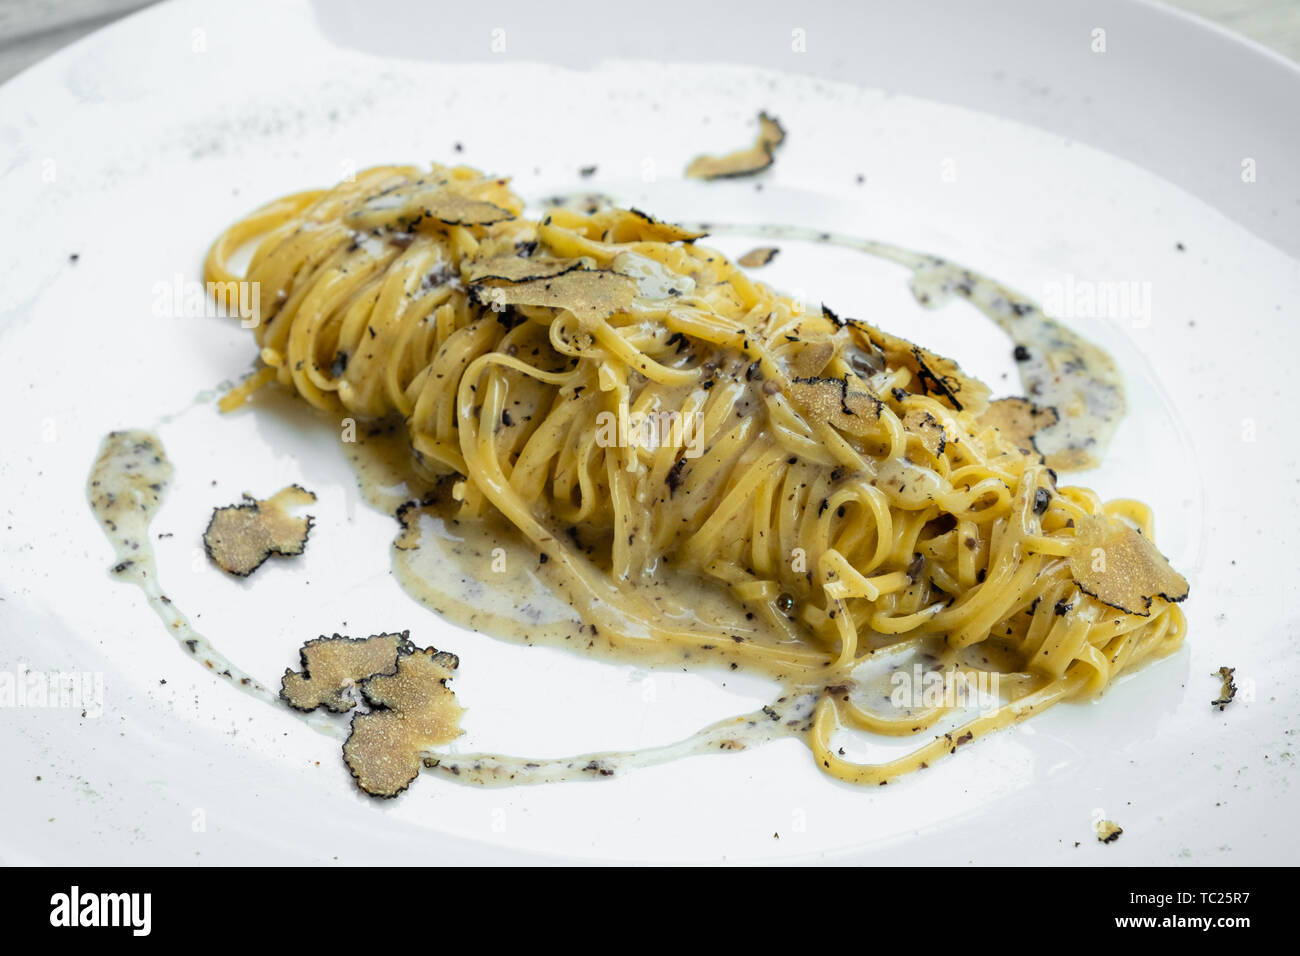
(835, 481)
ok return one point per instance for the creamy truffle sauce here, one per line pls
(126, 488)
(1058, 367)
(787, 716)
(655, 282)
(485, 576)
(448, 565)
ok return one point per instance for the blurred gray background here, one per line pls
(31, 30)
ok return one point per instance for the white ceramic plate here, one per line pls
(971, 125)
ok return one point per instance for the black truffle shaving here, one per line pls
(240, 538)
(829, 313)
(339, 663)
(674, 477)
(932, 383)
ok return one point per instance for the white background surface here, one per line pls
(33, 29)
(133, 148)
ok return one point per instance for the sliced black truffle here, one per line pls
(811, 358)
(935, 374)
(239, 538)
(520, 269)
(414, 710)
(408, 208)
(927, 428)
(743, 162)
(1119, 566)
(757, 258)
(332, 666)
(1018, 420)
(656, 230)
(831, 400)
(454, 209)
(590, 294)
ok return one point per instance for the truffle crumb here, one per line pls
(1229, 689)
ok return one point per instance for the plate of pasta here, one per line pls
(489, 452)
